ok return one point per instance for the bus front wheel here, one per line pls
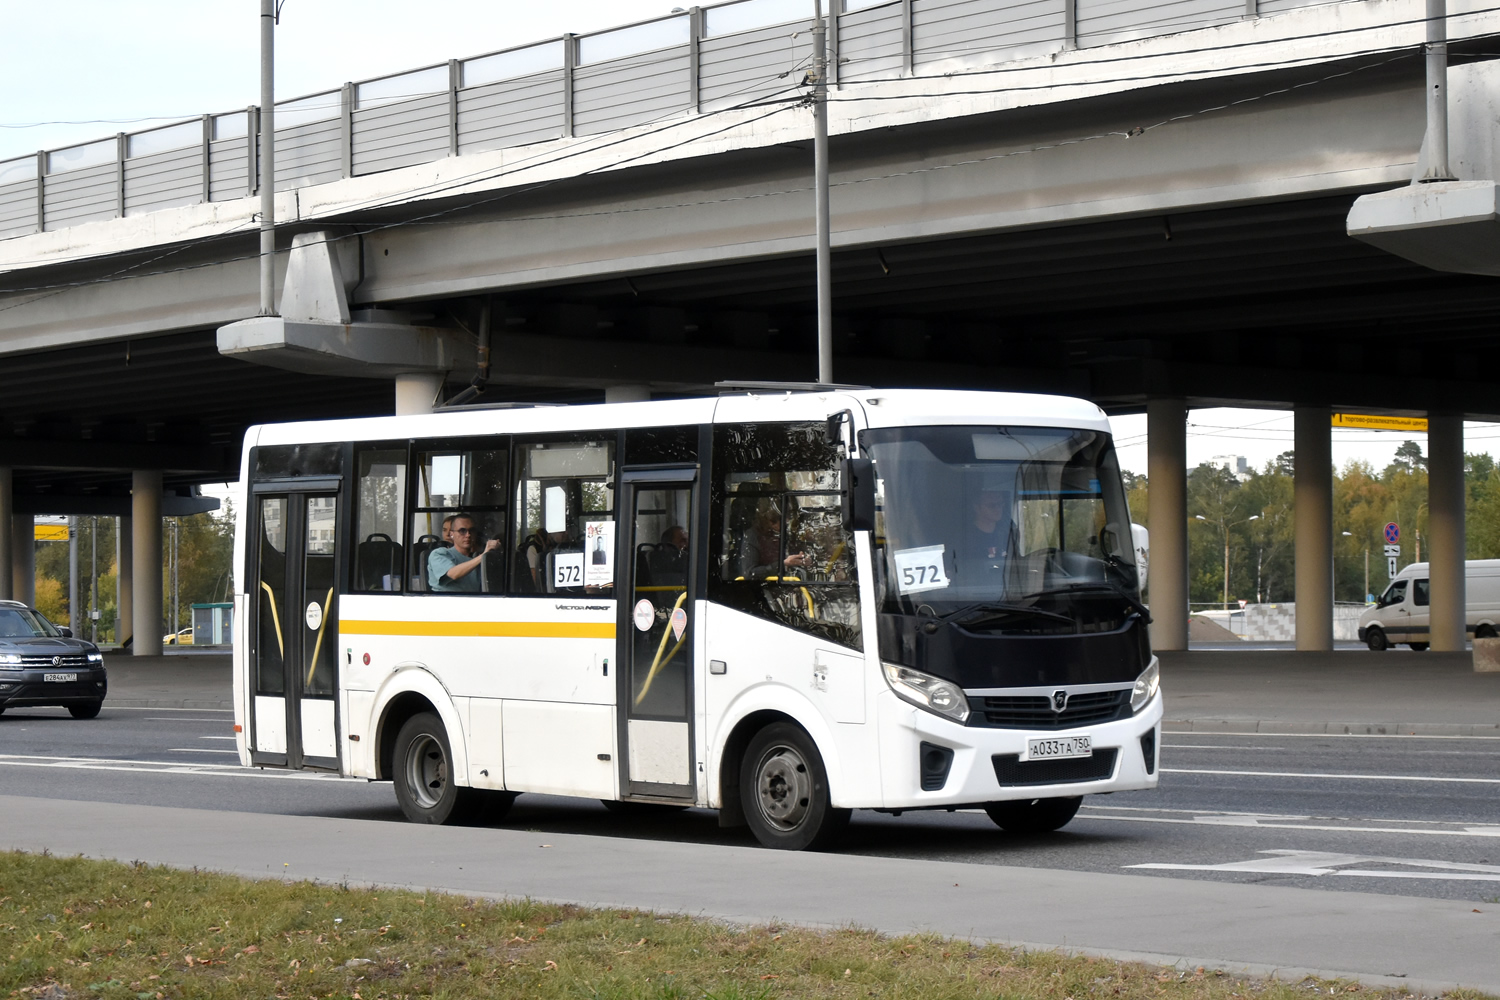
(424, 774)
(784, 791)
(1033, 815)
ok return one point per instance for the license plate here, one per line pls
(60, 678)
(1061, 746)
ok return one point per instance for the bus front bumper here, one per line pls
(928, 761)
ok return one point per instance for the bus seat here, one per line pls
(378, 557)
(420, 550)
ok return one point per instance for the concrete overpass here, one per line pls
(1143, 204)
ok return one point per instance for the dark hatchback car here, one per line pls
(41, 664)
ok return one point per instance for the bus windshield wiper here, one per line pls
(995, 609)
(1102, 587)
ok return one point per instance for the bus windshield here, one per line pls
(1012, 528)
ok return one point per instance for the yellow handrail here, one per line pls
(317, 646)
(658, 662)
(275, 618)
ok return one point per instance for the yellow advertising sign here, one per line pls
(51, 532)
(1376, 422)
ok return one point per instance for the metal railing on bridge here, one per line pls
(698, 61)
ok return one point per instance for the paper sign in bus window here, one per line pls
(920, 569)
(567, 570)
(599, 553)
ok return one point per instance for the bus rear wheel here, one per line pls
(1375, 639)
(1418, 646)
(1033, 815)
(784, 791)
(424, 774)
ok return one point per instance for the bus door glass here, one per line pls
(656, 638)
(294, 645)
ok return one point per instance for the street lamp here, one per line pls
(1224, 527)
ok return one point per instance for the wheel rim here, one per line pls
(426, 771)
(783, 787)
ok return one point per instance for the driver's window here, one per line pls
(1395, 594)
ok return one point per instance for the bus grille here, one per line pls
(1035, 711)
(1011, 770)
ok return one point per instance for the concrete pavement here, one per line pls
(1413, 943)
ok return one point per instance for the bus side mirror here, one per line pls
(1140, 540)
(857, 504)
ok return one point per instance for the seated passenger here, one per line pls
(456, 570)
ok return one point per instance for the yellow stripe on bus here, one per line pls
(510, 630)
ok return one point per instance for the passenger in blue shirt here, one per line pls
(456, 570)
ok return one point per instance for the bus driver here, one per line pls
(452, 571)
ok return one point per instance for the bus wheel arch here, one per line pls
(393, 716)
(785, 792)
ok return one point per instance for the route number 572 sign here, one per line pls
(920, 569)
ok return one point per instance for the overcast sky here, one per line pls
(113, 65)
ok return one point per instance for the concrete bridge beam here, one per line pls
(1313, 526)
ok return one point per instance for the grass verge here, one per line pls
(72, 929)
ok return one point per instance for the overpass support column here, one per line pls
(1166, 491)
(1313, 517)
(7, 512)
(145, 516)
(415, 393)
(23, 558)
(631, 393)
(124, 580)
(1445, 530)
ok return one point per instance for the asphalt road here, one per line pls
(1404, 815)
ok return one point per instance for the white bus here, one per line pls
(780, 605)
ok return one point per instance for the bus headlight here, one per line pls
(1146, 686)
(926, 691)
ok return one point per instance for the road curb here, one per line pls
(1272, 727)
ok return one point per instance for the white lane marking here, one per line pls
(1284, 862)
(218, 737)
(1260, 824)
(161, 767)
(1353, 777)
(200, 750)
(1200, 734)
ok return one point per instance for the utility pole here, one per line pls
(75, 620)
(1437, 93)
(820, 193)
(176, 538)
(94, 578)
(267, 157)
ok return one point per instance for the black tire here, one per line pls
(1418, 646)
(1026, 816)
(85, 710)
(422, 767)
(784, 791)
(1485, 632)
(1376, 640)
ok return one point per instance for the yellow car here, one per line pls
(183, 638)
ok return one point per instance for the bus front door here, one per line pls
(293, 631)
(656, 576)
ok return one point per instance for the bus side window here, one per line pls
(379, 521)
(1419, 593)
(562, 486)
(778, 547)
(458, 508)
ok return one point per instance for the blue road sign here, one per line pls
(1392, 533)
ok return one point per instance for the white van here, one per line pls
(1401, 614)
